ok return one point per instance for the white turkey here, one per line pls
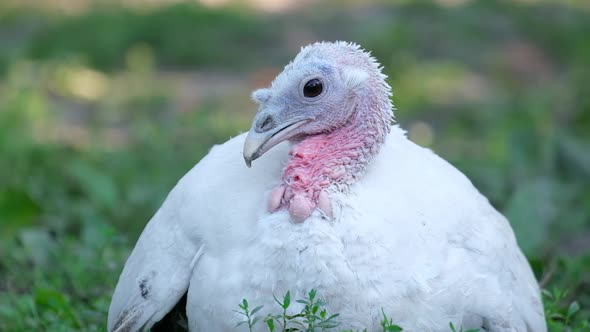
(338, 200)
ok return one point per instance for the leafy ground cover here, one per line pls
(102, 111)
(314, 317)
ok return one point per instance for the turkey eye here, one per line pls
(313, 88)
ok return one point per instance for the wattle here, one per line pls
(319, 165)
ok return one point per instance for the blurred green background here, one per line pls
(104, 105)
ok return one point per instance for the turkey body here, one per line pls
(413, 238)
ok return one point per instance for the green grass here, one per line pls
(94, 131)
(180, 36)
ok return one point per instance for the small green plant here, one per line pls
(562, 314)
(387, 324)
(453, 329)
(283, 318)
(251, 319)
(312, 318)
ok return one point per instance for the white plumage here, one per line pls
(412, 237)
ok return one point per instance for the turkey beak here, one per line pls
(266, 133)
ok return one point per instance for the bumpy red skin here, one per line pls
(327, 162)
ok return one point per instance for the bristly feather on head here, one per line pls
(333, 102)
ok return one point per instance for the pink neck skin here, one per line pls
(329, 162)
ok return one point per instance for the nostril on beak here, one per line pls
(265, 124)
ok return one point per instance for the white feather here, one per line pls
(413, 238)
(353, 78)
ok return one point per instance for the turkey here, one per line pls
(336, 199)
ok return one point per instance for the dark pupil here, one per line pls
(312, 88)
